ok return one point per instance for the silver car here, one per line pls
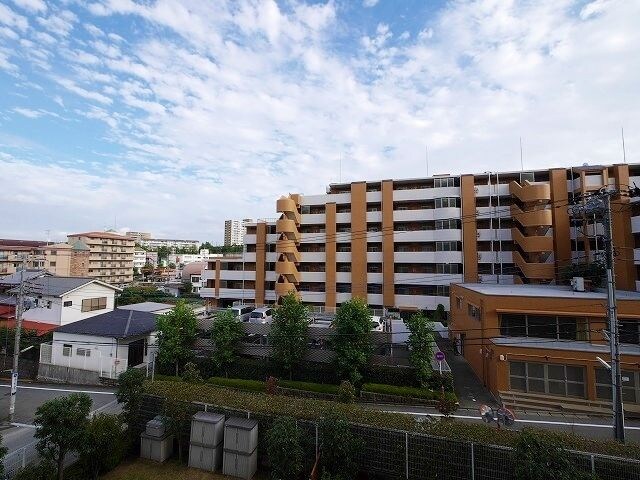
(261, 315)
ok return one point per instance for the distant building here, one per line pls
(139, 259)
(234, 231)
(110, 256)
(12, 251)
(64, 259)
(192, 273)
(169, 243)
(138, 236)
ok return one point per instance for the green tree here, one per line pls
(177, 418)
(421, 342)
(129, 394)
(163, 253)
(595, 271)
(60, 427)
(351, 340)
(103, 445)
(542, 457)
(440, 314)
(284, 449)
(226, 332)
(339, 447)
(289, 333)
(176, 334)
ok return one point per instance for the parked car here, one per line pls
(261, 315)
(242, 312)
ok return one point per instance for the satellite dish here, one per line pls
(486, 413)
(506, 417)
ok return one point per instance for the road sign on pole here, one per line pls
(440, 358)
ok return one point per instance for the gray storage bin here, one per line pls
(207, 429)
(240, 465)
(156, 448)
(155, 427)
(205, 458)
(241, 435)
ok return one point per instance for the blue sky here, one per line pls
(170, 116)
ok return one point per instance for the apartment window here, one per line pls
(53, 252)
(83, 352)
(629, 331)
(453, 268)
(374, 268)
(52, 264)
(343, 287)
(67, 350)
(444, 182)
(374, 288)
(448, 224)
(547, 378)
(630, 385)
(447, 202)
(68, 303)
(343, 267)
(442, 290)
(544, 326)
(447, 246)
(91, 304)
(374, 247)
(473, 311)
(343, 247)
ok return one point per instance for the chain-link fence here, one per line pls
(396, 454)
(18, 459)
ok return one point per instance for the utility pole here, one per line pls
(16, 347)
(600, 204)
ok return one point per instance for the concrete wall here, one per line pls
(58, 373)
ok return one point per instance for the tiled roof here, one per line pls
(56, 286)
(29, 274)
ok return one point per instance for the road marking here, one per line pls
(23, 425)
(544, 422)
(106, 405)
(21, 387)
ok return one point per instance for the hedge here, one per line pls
(309, 386)
(411, 392)
(313, 409)
(239, 383)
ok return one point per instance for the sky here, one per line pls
(171, 116)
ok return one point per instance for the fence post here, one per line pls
(473, 464)
(593, 464)
(406, 455)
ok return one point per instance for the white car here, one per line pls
(261, 315)
(242, 312)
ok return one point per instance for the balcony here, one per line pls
(533, 270)
(531, 192)
(532, 218)
(288, 206)
(284, 288)
(289, 270)
(534, 243)
(289, 228)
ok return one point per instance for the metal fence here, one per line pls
(18, 459)
(396, 454)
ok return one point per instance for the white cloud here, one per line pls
(12, 19)
(26, 112)
(32, 5)
(89, 95)
(369, 3)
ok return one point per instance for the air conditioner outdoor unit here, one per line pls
(578, 284)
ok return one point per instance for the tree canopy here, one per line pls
(421, 345)
(226, 331)
(176, 334)
(351, 340)
(289, 332)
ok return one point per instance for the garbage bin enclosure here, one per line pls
(241, 435)
(205, 442)
(240, 465)
(240, 448)
(205, 458)
(156, 448)
(207, 429)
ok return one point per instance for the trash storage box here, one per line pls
(155, 427)
(240, 465)
(205, 458)
(241, 435)
(156, 448)
(207, 429)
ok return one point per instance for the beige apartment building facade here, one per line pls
(401, 243)
(110, 256)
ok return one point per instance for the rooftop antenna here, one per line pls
(624, 153)
(521, 161)
(426, 152)
(47, 232)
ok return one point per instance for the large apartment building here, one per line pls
(234, 231)
(110, 256)
(401, 243)
(62, 259)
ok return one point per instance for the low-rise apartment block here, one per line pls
(167, 242)
(110, 256)
(63, 259)
(402, 243)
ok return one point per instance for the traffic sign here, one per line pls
(439, 356)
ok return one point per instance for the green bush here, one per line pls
(284, 449)
(44, 470)
(338, 446)
(240, 384)
(437, 381)
(309, 386)
(346, 392)
(191, 373)
(412, 392)
(313, 409)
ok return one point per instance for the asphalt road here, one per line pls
(31, 396)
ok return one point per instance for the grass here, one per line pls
(147, 470)
(239, 383)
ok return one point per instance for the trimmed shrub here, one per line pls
(437, 381)
(447, 405)
(346, 392)
(271, 386)
(191, 373)
(309, 386)
(339, 448)
(412, 392)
